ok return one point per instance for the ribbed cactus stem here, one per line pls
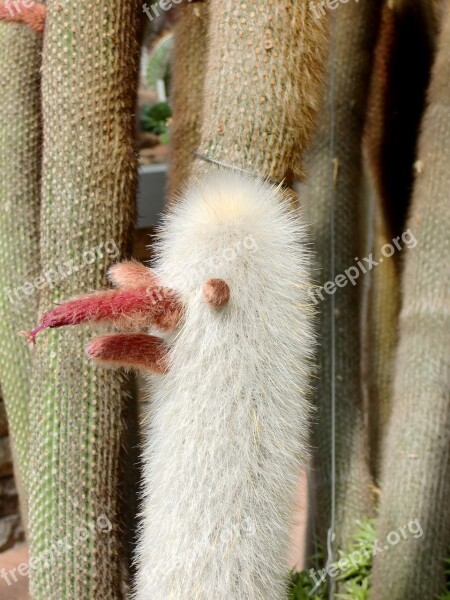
(416, 466)
(90, 66)
(333, 203)
(20, 149)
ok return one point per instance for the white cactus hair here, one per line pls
(228, 424)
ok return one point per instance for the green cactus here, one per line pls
(89, 81)
(20, 145)
(160, 63)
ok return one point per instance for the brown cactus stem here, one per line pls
(263, 85)
(135, 351)
(131, 274)
(189, 65)
(132, 307)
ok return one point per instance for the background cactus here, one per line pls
(381, 336)
(20, 149)
(262, 85)
(90, 69)
(416, 465)
(189, 63)
(403, 56)
(335, 183)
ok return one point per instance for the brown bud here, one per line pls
(216, 292)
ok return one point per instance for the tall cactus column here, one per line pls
(262, 85)
(383, 300)
(20, 144)
(381, 337)
(335, 183)
(416, 465)
(90, 66)
(189, 65)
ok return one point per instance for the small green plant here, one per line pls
(355, 590)
(302, 586)
(356, 577)
(354, 582)
(446, 594)
(154, 119)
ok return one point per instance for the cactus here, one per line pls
(230, 379)
(90, 72)
(403, 56)
(416, 465)
(383, 300)
(262, 87)
(335, 183)
(401, 73)
(381, 337)
(20, 144)
(159, 65)
(229, 427)
(263, 83)
(189, 62)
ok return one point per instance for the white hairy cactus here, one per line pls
(228, 422)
